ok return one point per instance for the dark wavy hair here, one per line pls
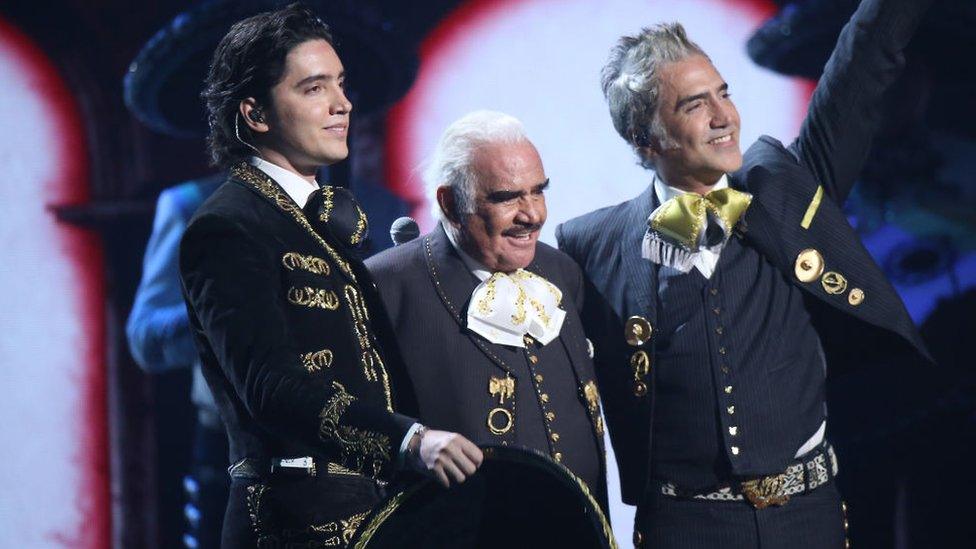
(248, 62)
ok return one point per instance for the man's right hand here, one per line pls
(450, 457)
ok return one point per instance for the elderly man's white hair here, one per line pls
(450, 165)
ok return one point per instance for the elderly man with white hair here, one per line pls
(485, 314)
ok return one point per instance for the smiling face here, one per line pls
(509, 206)
(701, 123)
(308, 119)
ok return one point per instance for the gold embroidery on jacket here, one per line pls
(317, 361)
(592, 396)
(310, 263)
(357, 236)
(360, 448)
(313, 297)
(266, 186)
(370, 360)
(253, 499)
(327, 194)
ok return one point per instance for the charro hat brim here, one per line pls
(163, 84)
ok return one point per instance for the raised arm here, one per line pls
(846, 107)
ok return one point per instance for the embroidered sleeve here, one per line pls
(364, 451)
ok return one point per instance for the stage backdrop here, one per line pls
(53, 455)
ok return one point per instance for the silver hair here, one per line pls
(631, 82)
(450, 165)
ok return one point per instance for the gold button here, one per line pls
(717, 310)
(809, 265)
(725, 369)
(728, 389)
(550, 416)
(533, 359)
(721, 350)
(544, 397)
(833, 283)
(638, 538)
(847, 543)
(843, 507)
(730, 410)
(856, 297)
(733, 430)
(558, 456)
(538, 378)
(555, 437)
(719, 330)
(527, 340)
(637, 330)
(640, 388)
(846, 525)
(713, 291)
(735, 450)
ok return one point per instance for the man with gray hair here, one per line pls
(486, 316)
(719, 297)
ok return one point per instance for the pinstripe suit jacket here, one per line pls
(797, 193)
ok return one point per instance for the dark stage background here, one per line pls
(94, 449)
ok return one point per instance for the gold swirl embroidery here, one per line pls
(313, 298)
(360, 448)
(370, 360)
(520, 312)
(254, 499)
(357, 236)
(310, 263)
(266, 186)
(484, 304)
(350, 525)
(592, 396)
(316, 361)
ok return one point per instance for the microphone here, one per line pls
(403, 230)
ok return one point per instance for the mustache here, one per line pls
(522, 229)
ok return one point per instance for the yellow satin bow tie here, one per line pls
(683, 218)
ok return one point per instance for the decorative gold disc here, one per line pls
(506, 415)
(856, 297)
(637, 331)
(833, 283)
(809, 265)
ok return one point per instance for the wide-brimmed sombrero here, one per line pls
(517, 498)
(162, 87)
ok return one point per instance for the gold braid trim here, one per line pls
(316, 361)
(327, 196)
(358, 445)
(371, 361)
(350, 525)
(313, 298)
(604, 523)
(271, 190)
(310, 263)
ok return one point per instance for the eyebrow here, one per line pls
(317, 77)
(502, 196)
(685, 100)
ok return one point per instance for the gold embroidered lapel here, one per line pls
(269, 189)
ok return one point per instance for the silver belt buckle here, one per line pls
(306, 464)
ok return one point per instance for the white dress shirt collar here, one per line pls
(665, 192)
(297, 187)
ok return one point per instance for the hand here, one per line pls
(448, 456)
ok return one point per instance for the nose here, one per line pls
(341, 104)
(722, 114)
(532, 209)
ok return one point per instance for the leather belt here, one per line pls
(304, 466)
(804, 475)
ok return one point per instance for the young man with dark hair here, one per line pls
(723, 294)
(294, 342)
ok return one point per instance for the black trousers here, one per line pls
(282, 511)
(814, 520)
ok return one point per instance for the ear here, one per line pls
(252, 115)
(445, 199)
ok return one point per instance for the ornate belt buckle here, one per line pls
(765, 491)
